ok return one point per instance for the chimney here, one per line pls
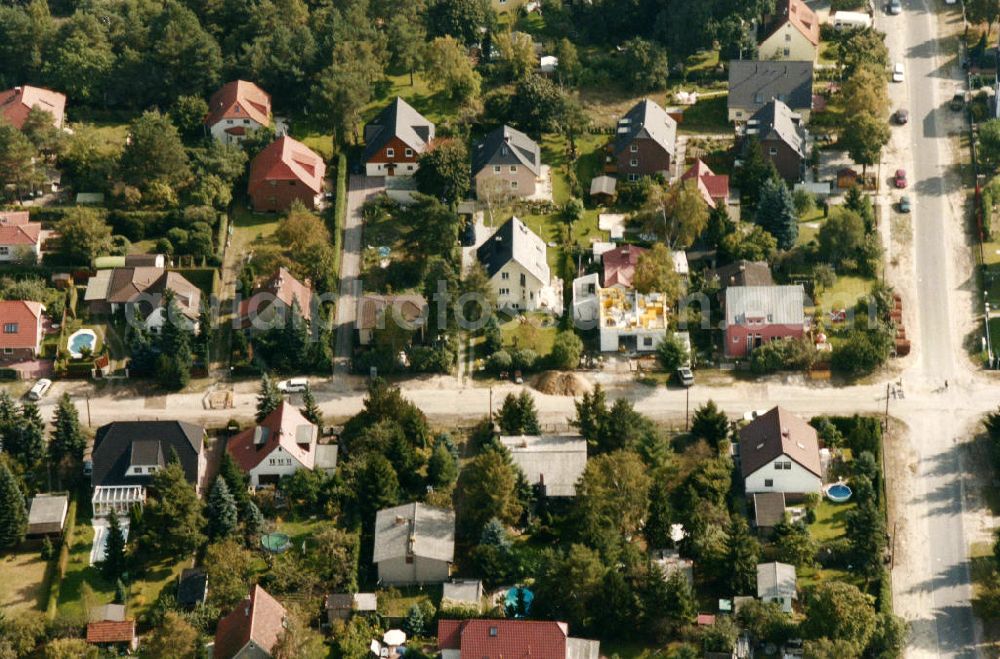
(400, 520)
(743, 266)
(785, 433)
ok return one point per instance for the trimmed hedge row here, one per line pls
(57, 569)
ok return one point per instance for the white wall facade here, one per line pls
(219, 134)
(797, 480)
(507, 286)
(788, 44)
(397, 571)
(20, 252)
(399, 168)
(279, 462)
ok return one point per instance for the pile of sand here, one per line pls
(554, 383)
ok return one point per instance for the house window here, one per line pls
(513, 185)
(271, 462)
(273, 183)
(4, 250)
(505, 275)
(8, 351)
(390, 153)
(504, 291)
(409, 153)
(739, 113)
(633, 177)
(229, 121)
(788, 37)
(246, 122)
(787, 52)
(772, 151)
(496, 169)
(291, 183)
(634, 162)
(523, 280)
(634, 148)
(647, 341)
(493, 630)
(10, 328)
(768, 482)
(409, 168)
(513, 169)
(758, 98)
(138, 470)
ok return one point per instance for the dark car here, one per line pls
(469, 234)
(901, 116)
(685, 376)
(904, 204)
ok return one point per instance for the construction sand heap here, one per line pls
(554, 383)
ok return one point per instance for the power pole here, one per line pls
(89, 424)
(687, 407)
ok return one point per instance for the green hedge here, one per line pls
(340, 203)
(57, 569)
(206, 279)
(137, 225)
(9, 374)
(52, 214)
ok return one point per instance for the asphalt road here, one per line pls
(934, 592)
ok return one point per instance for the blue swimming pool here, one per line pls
(81, 340)
(511, 601)
(838, 493)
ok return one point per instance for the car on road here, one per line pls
(897, 72)
(753, 414)
(957, 101)
(895, 7)
(899, 180)
(293, 386)
(904, 204)
(901, 116)
(951, 2)
(685, 376)
(40, 389)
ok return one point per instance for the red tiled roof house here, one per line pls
(252, 629)
(16, 103)
(266, 307)
(619, 266)
(20, 330)
(280, 445)
(112, 633)
(714, 188)
(779, 452)
(237, 108)
(20, 239)
(511, 639)
(284, 171)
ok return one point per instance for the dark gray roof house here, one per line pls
(129, 452)
(646, 121)
(776, 121)
(506, 146)
(514, 241)
(740, 273)
(401, 121)
(753, 83)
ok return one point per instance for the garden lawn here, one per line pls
(994, 335)
(79, 572)
(299, 529)
(991, 255)
(22, 580)
(249, 227)
(830, 520)
(396, 603)
(991, 284)
(145, 591)
(845, 292)
(809, 225)
(530, 334)
(709, 115)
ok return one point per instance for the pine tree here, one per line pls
(310, 409)
(173, 367)
(253, 520)
(442, 470)
(13, 513)
(172, 519)
(660, 515)
(743, 555)
(294, 338)
(494, 534)
(776, 213)
(142, 356)
(268, 399)
(67, 438)
(235, 479)
(414, 623)
(221, 511)
(710, 423)
(8, 421)
(31, 441)
(206, 333)
(113, 565)
(518, 415)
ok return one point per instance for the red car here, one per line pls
(900, 179)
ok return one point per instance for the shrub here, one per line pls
(500, 361)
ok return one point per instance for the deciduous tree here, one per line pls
(444, 171)
(655, 273)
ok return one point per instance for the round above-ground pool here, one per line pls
(81, 340)
(511, 600)
(275, 542)
(838, 493)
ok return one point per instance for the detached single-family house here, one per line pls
(281, 444)
(142, 289)
(552, 462)
(644, 143)
(714, 188)
(341, 606)
(627, 320)
(740, 273)
(754, 83)
(619, 265)
(16, 103)
(790, 34)
(779, 452)
(776, 583)
(756, 315)
(782, 138)
(376, 312)
(503, 638)
(395, 139)
(414, 544)
(47, 515)
(252, 629)
(269, 304)
(20, 239)
(286, 170)
(127, 453)
(506, 162)
(20, 330)
(237, 108)
(515, 262)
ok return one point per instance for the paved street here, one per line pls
(360, 188)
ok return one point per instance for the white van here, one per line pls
(851, 20)
(293, 386)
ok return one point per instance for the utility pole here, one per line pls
(687, 407)
(89, 424)
(886, 423)
(491, 406)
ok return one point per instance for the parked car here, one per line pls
(685, 376)
(904, 204)
(957, 101)
(293, 386)
(900, 179)
(901, 116)
(40, 389)
(897, 72)
(895, 7)
(469, 234)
